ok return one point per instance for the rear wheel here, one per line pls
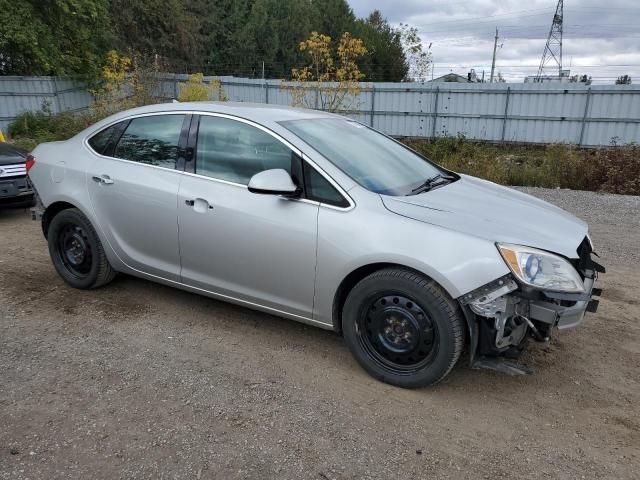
(76, 251)
(403, 328)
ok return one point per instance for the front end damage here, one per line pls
(505, 313)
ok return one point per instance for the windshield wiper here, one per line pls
(430, 183)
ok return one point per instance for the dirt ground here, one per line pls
(138, 380)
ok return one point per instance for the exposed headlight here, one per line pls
(541, 269)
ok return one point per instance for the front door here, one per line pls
(134, 189)
(260, 249)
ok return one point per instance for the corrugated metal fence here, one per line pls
(21, 94)
(524, 113)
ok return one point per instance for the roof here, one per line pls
(451, 77)
(254, 111)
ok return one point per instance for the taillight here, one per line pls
(30, 162)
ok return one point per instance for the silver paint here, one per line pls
(288, 256)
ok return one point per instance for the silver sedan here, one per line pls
(320, 219)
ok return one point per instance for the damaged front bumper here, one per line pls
(562, 316)
(503, 314)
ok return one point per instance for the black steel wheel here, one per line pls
(76, 251)
(397, 333)
(403, 328)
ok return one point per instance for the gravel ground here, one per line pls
(137, 380)
(613, 218)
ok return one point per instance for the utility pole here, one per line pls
(553, 50)
(493, 63)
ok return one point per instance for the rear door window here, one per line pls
(151, 140)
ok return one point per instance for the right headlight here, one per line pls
(541, 269)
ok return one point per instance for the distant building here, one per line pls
(451, 78)
(564, 77)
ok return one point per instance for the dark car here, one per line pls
(15, 188)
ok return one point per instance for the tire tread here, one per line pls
(444, 302)
(105, 272)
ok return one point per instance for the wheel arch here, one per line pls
(51, 211)
(355, 276)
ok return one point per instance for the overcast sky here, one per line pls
(601, 39)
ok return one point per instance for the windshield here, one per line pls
(375, 161)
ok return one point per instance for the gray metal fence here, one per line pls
(20, 94)
(592, 115)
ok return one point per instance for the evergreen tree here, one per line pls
(158, 27)
(332, 17)
(385, 60)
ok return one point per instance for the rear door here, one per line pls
(260, 249)
(133, 184)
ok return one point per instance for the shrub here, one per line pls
(196, 90)
(610, 169)
(29, 128)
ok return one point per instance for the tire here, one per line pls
(76, 251)
(403, 328)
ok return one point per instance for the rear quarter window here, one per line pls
(100, 141)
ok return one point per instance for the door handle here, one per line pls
(104, 179)
(199, 204)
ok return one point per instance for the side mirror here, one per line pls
(273, 182)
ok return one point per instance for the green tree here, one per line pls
(385, 60)
(221, 24)
(272, 33)
(332, 17)
(53, 37)
(170, 29)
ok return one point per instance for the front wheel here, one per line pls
(76, 251)
(403, 328)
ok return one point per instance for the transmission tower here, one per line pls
(552, 55)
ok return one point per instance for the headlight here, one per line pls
(541, 269)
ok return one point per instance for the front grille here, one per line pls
(15, 170)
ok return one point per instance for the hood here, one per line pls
(10, 155)
(499, 214)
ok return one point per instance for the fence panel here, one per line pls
(524, 113)
(20, 94)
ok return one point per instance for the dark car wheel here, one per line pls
(403, 328)
(76, 251)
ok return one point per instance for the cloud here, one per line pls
(600, 39)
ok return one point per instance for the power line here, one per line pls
(472, 19)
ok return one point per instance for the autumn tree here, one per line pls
(418, 58)
(330, 80)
